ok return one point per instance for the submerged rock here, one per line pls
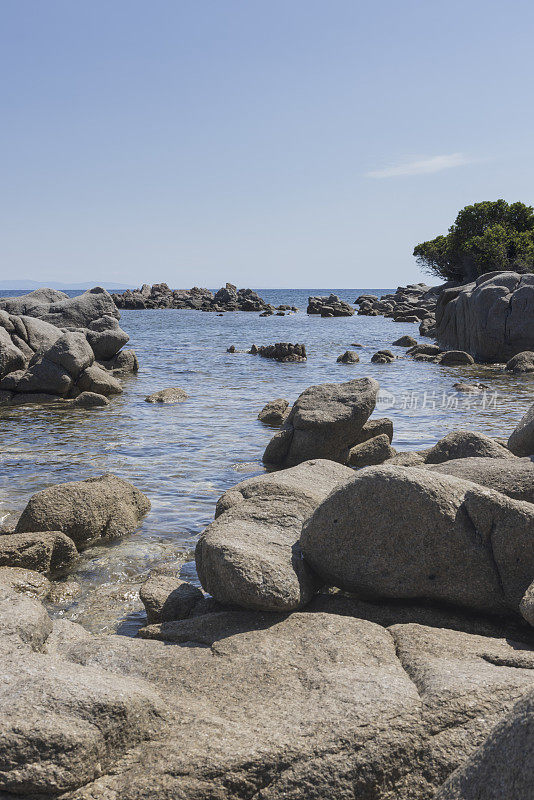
(172, 395)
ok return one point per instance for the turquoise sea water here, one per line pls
(184, 456)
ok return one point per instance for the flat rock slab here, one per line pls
(250, 554)
(265, 705)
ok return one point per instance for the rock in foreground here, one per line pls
(250, 555)
(394, 532)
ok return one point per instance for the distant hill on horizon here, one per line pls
(28, 284)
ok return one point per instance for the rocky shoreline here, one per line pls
(364, 624)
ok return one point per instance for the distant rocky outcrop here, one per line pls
(413, 303)
(228, 298)
(491, 318)
(54, 346)
(330, 306)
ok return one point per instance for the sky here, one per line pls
(272, 143)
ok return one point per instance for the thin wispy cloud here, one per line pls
(422, 166)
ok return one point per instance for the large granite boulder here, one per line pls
(397, 532)
(321, 704)
(250, 555)
(490, 318)
(512, 477)
(49, 343)
(48, 551)
(453, 446)
(521, 441)
(97, 508)
(501, 768)
(324, 422)
(60, 310)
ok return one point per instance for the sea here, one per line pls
(185, 456)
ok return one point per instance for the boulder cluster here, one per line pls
(228, 298)
(413, 303)
(490, 318)
(281, 351)
(53, 346)
(367, 633)
(330, 306)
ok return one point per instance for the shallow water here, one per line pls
(184, 456)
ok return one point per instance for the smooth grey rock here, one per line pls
(24, 624)
(466, 683)
(124, 362)
(375, 427)
(48, 550)
(106, 337)
(239, 685)
(373, 451)
(405, 341)
(172, 395)
(512, 477)
(526, 606)
(60, 310)
(274, 412)
(398, 532)
(168, 598)
(99, 381)
(490, 318)
(466, 444)
(42, 377)
(72, 352)
(521, 441)
(348, 357)
(324, 422)
(452, 358)
(250, 555)
(501, 768)
(97, 508)
(11, 357)
(90, 400)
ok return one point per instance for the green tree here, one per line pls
(485, 237)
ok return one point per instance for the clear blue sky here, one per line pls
(273, 144)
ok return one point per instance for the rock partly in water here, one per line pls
(394, 532)
(522, 362)
(348, 357)
(48, 551)
(324, 422)
(330, 306)
(383, 357)
(405, 341)
(490, 318)
(250, 555)
(90, 400)
(521, 441)
(97, 508)
(172, 395)
(281, 351)
(452, 358)
(274, 412)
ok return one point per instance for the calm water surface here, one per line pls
(184, 456)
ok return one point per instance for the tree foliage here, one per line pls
(484, 238)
